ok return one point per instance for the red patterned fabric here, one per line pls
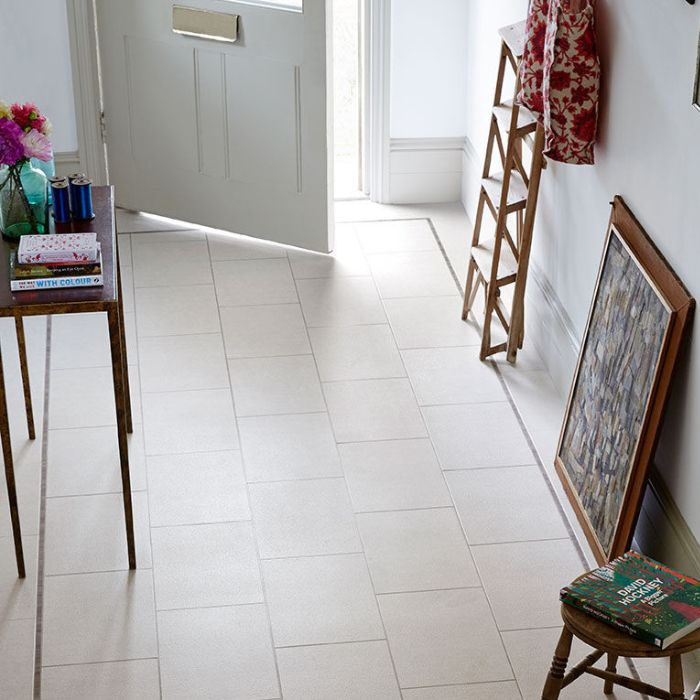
(532, 64)
(563, 67)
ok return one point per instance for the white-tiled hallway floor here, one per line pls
(334, 498)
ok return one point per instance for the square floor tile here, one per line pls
(373, 409)
(127, 289)
(17, 658)
(130, 337)
(356, 352)
(124, 245)
(229, 246)
(254, 282)
(451, 375)
(530, 653)
(276, 385)
(126, 680)
(359, 671)
(393, 475)
(99, 617)
(87, 534)
(197, 566)
(80, 340)
(72, 406)
(511, 504)
(176, 311)
(165, 235)
(129, 221)
(264, 331)
(430, 322)
(346, 259)
(182, 363)
(477, 435)
(298, 446)
(173, 264)
(204, 487)
(504, 690)
(416, 550)
(396, 236)
(303, 518)
(421, 274)
(443, 637)
(340, 301)
(217, 653)
(17, 596)
(320, 600)
(189, 421)
(28, 482)
(84, 461)
(541, 570)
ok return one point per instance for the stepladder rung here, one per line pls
(483, 256)
(517, 191)
(527, 121)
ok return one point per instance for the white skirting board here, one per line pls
(67, 162)
(662, 532)
(425, 170)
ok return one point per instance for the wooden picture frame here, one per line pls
(636, 326)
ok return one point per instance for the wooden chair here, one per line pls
(607, 640)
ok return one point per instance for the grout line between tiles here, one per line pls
(347, 488)
(256, 544)
(526, 434)
(447, 486)
(41, 555)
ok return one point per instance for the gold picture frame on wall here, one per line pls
(696, 88)
(635, 330)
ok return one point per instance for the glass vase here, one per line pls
(48, 167)
(23, 200)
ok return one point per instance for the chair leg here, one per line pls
(555, 679)
(677, 685)
(609, 687)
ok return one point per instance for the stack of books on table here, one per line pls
(641, 597)
(56, 261)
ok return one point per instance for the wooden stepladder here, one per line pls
(501, 261)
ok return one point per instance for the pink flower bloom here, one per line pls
(36, 145)
(27, 116)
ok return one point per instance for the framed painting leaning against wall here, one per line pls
(635, 329)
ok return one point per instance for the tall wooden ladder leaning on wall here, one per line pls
(500, 263)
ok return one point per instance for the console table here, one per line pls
(106, 299)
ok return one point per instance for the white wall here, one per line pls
(649, 152)
(35, 63)
(428, 68)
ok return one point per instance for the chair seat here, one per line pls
(606, 638)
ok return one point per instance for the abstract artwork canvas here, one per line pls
(635, 327)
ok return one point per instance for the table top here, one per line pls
(48, 301)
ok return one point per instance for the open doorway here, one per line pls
(348, 92)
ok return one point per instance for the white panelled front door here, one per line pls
(230, 135)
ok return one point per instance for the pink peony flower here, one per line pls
(11, 147)
(36, 145)
(28, 116)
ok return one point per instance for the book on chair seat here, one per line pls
(641, 597)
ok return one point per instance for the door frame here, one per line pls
(87, 89)
(90, 117)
